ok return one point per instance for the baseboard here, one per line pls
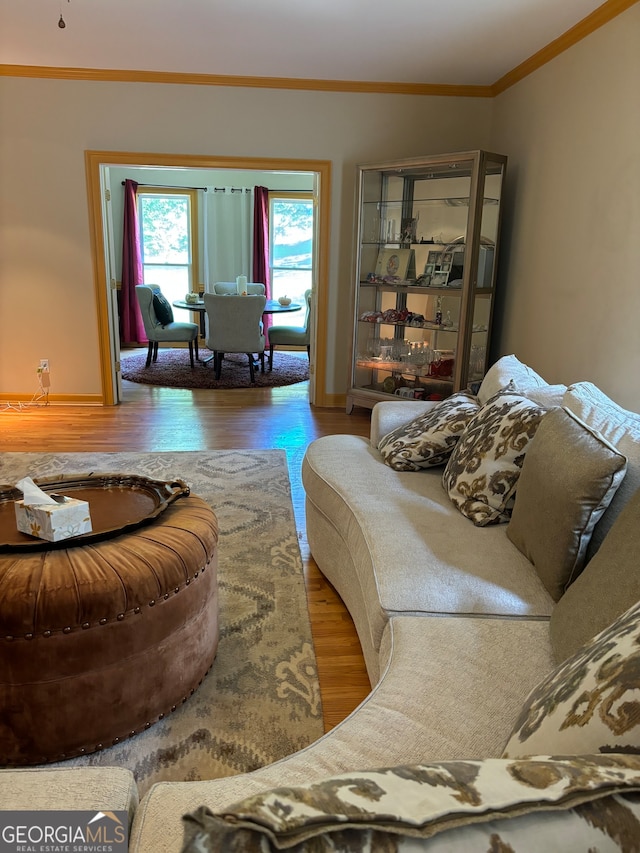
(28, 401)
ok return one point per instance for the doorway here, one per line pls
(101, 166)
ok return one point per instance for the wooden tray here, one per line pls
(117, 503)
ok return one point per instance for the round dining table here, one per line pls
(272, 306)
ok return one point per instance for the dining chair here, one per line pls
(234, 325)
(292, 336)
(159, 325)
(229, 288)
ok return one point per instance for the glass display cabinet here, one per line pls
(425, 271)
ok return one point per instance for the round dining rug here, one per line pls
(173, 370)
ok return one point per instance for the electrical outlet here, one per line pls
(44, 365)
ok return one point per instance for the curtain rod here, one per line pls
(220, 189)
(168, 187)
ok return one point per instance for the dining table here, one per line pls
(272, 306)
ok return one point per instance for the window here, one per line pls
(291, 249)
(168, 225)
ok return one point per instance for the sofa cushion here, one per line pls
(547, 396)
(163, 309)
(622, 429)
(483, 469)
(590, 801)
(427, 441)
(73, 788)
(508, 369)
(590, 703)
(402, 720)
(392, 542)
(568, 479)
(609, 585)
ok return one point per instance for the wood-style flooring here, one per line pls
(156, 419)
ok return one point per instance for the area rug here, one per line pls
(173, 370)
(261, 699)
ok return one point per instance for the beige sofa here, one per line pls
(460, 624)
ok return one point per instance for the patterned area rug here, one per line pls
(261, 699)
(173, 370)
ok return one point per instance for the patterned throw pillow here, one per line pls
(428, 440)
(588, 704)
(571, 804)
(163, 309)
(482, 472)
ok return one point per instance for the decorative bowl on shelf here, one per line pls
(284, 300)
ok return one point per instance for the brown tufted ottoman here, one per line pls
(98, 642)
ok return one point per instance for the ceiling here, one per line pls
(457, 42)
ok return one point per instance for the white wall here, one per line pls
(47, 300)
(571, 253)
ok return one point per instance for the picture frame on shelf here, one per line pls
(440, 278)
(394, 262)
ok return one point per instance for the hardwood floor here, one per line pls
(157, 419)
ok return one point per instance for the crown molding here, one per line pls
(598, 18)
(183, 79)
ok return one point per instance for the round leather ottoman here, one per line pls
(100, 641)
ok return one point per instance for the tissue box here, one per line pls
(66, 518)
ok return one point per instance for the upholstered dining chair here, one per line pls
(234, 324)
(159, 326)
(292, 336)
(223, 288)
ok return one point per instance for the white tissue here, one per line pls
(33, 496)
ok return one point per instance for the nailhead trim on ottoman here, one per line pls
(98, 642)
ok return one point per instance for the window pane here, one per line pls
(173, 281)
(164, 229)
(292, 283)
(292, 234)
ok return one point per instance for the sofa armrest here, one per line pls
(389, 415)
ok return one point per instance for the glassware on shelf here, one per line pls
(477, 360)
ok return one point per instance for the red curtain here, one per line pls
(261, 243)
(131, 325)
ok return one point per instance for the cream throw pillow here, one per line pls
(588, 704)
(483, 469)
(609, 585)
(428, 440)
(505, 370)
(569, 477)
